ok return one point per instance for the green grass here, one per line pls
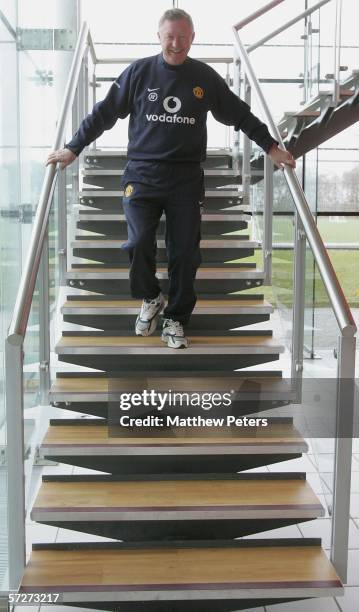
(346, 266)
(331, 231)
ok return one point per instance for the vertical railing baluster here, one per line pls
(298, 300)
(15, 458)
(343, 455)
(44, 322)
(267, 241)
(62, 223)
(246, 165)
(237, 91)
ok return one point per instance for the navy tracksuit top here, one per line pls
(168, 108)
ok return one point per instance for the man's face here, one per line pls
(176, 38)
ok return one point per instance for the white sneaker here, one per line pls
(146, 321)
(173, 334)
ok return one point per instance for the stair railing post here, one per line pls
(44, 321)
(268, 220)
(94, 85)
(74, 169)
(307, 59)
(246, 165)
(298, 300)
(337, 49)
(86, 85)
(237, 91)
(343, 455)
(62, 224)
(15, 458)
(81, 89)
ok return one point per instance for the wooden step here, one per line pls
(247, 497)
(152, 345)
(138, 508)
(111, 223)
(109, 178)
(211, 278)
(213, 251)
(78, 388)
(115, 306)
(118, 193)
(173, 574)
(118, 152)
(120, 171)
(114, 206)
(106, 158)
(209, 314)
(116, 353)
(228, 271)
(215, 198)
(86, 242)
(99, 215)
(92, 436)
(94, 394)
(173, 446)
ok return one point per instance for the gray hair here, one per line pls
(175, 14)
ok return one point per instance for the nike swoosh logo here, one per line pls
(154, 89)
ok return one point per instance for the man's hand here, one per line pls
(64, 157)
(280, 157)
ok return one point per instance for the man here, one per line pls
(167, 97)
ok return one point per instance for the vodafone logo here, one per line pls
(171, 104)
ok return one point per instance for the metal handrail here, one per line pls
(129, 60)
(335, 293)
(17, 328)
(256, 14)
(286, 25)
(92, 48)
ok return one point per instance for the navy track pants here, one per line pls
(143, 206)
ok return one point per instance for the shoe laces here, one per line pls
(175, 327)
(153, 302)
(146, 304)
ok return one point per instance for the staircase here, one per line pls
(179, 500)
(318, 120)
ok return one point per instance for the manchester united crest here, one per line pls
(198, 92)
(128, 191)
